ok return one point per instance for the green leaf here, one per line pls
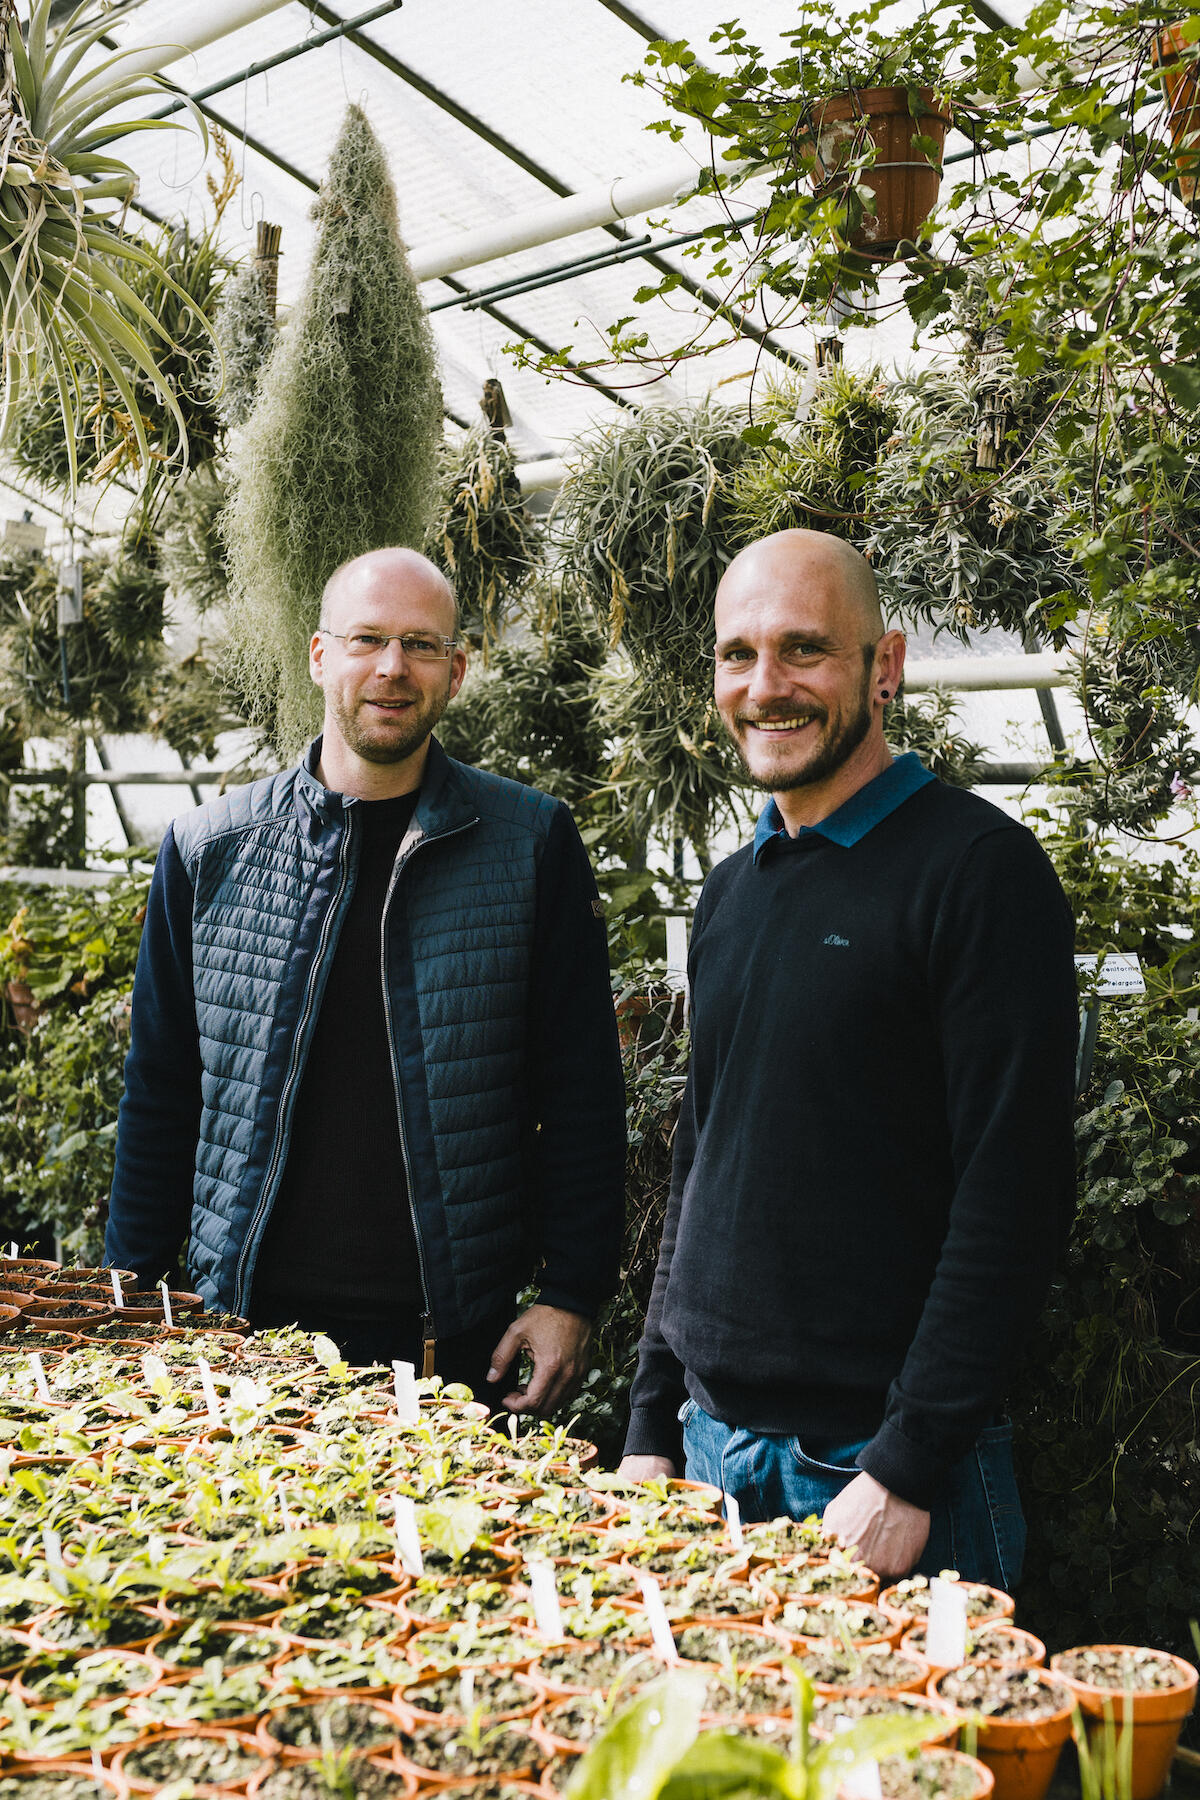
(720, 1764)
(634, 1757)
(452, 1526)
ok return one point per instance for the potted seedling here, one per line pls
(1150, 1691)
(1023, 1721)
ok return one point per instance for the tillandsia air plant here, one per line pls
(65, 299)
(483, 535)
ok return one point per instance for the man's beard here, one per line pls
(374, 746)
(832, 751)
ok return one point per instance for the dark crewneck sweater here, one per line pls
(340, 1241)
(874, 1166)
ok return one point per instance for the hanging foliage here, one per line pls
(483, 535)
(927, 724)
(244, 329)
(112, 656)
(339, 455)
(193, 558)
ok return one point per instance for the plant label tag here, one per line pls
(118, 1296)
(168, 1321)
(39, 1376)
(946, 1633)
(1119, 975)
(55, 1572)
(862, 1781)
(733, 1518)
(408, 1537)
(514, 1425)
(546, 1611)
(212, 1404)
(656, 1618)
(466, 1693)
(404, 1381)
(13, 1251)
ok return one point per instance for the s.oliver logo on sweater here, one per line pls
(841, 942)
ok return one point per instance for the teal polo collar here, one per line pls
(857, 815)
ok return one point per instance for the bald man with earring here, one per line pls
(374, 1078)
(874, 1169)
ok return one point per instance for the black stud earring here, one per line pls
(883, 694)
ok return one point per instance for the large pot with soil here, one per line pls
(1151, 1689)
(1024, 1719)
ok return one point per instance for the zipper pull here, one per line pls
(428, 1344)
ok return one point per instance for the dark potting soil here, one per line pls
(65, 1309)
(191, 1648)
(868, 1706)
(351, 1725)
(912, 1596)
(591, 1665)
(1004, 1693)
(873, 1668)
(749, 1694)
(987, 1643)
(450, 1750)
(708, 1643)
(58, 1677)
(193, 1759)
(1142, 1670)
(577, 1719)
(929, 1775)
(493, 1690)
(123, 1626)
(53, 1785)
(433, 1601)
(22, 1339)
(305, 1781)
(229, 1603)
(479, 1564)
(329, 1618)
(340, 1578)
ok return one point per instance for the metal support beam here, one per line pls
(215, 20)
(988, 674)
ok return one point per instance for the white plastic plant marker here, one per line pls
(547, 1613)
(514, 1425)
(404, 1381)
(656, 1618)
(212, 1404)
(733, 1519)
(408, 1537)
(118, 1296)
(466, 1693)
(56, 1573)
(285, 1517)
(13, 1251)
(862, 1782)
(946, 1633)
(39, 1376)
(168, 1321)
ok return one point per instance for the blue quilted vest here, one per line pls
(272, 865)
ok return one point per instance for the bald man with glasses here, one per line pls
(374, 1077)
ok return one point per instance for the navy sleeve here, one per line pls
(658, 1389)
(577, 1090)
(159, 1118)
(1002, 983)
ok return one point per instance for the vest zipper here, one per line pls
(428, 1327)
(299, 1046)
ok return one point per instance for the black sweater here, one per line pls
(874, 1166)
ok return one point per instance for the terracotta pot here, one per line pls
(1181, 91)
(902, 179)
(37, 1626)
(916, 1683)
(1024, 1651)
(34, 1265)
(995, 1603)
(220, 1734)
(33, 1765)
(8, 1314)
(888, 1627)
(985, 1781)
(1021, 1753)
(154, 1673)
(793, 1571)
(390, 1718)
(1157, 1715)
(25, 1009)
(409, 1697)
(59, 1315)
(400, 1783)
(434, 1776)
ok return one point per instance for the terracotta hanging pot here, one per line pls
(902, 179)
(1181, 91)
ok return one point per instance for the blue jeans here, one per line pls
(976, 1525)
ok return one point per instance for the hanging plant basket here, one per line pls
(1181, 91)
(902, 179)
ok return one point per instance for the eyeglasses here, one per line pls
(415, 644)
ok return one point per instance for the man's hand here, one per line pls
(646, 1468)
(558, 1343)
(890, 1533)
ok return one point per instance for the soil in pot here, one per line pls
(583, 1667)
(214, 1758)
(749, 1694)
(712, 1644)
(839, 1620)
(124, 1625)
(1152, 1688)
(191, 1647)
(313, 1781)
(59, 1784)
(1024, 1720)
(934, 1774)
(310, 1727)
(460, 1751)
(943, 1720)
(52, 1676)
(911, 1598)
(842, 1580)
(500, 1694)
(998, 1641)
(834, 1667)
